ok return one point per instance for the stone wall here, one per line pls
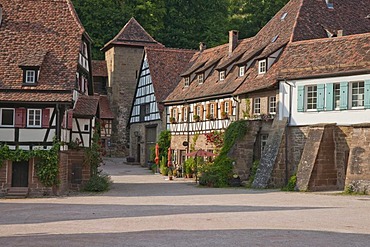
(123, 63)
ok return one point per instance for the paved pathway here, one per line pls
(143, 209)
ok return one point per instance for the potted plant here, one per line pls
(196, 118)
(172, 120)
(210, 117)
(224, 115)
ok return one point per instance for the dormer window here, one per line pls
(187, 81)
(330, 4)
(200, 78)
(241, 71)
(262, 66)
(222, 75)
(30, 75)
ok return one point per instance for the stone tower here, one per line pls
(123, 55)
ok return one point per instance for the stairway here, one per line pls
(270, 154)
(17, 193)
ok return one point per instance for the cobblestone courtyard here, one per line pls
(143, 209)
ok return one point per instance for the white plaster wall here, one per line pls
(34, 135)
(7, 134)
(341, 117)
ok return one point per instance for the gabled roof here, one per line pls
(86, 106)
(165, 65)
(49, 39)
(104, 108)
(315, 58)
(99, 68)
(132, 34)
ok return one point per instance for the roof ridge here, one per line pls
(335, 39)
(295, 22)
(75, 15)
(170, 48)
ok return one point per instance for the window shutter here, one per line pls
(45, 118)
(215, 110)
(320, 97)
(344, 95)
(69, 119)
(300, 97)
(222, 107)
(367, 94)
(20, 117)
(230, 107)
(329, 99)
(208, 109)
(201, 112)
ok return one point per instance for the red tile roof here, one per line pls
(132, 34)
(165, 65)
(39, 33)
(104, 107)
(32, 96)
(304, 19)
(99, 68)
(314, 58)
(86, 106)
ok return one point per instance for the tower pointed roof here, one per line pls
(132, 34)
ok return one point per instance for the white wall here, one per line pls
(340, 117)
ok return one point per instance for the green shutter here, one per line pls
(344, 95)
(300, 96)
(320, 97)
(367, 94)
(329, 99)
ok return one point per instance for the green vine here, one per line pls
(93, 153)
(46, 161)
(246, 113)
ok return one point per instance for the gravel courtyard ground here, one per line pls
(143, 209)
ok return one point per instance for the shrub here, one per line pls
(98, 183)
(291, 184)
(254, 168)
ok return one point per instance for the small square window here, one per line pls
(257, 106)
(241, 70)
(272, 105)
(30, 76)
(222, 75)
(200, 79)
(86, 127)
(7, 117)
(34, 118)
(187, 81)
(262, 66)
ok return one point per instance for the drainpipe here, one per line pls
(286, 131)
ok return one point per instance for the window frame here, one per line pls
(306, 98)
(351, 95)
(272, 105)
(262, 66)
(1, 117)
(187, 81)
(34, 125)
(200, 78)
(257, 110)
(241, 71)
(336, 94)
(212, 110)
(222, 75)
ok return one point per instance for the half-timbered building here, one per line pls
(44, 70)
(159, 75)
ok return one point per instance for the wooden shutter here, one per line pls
(69, 119)
(230, 107)
(45, 118)
(208, 109)
(367, 94)
(329, 99)
(215, 114)
(300, 97)
(344, 95)
(222, 107)
(320, 97)
(20, 117)
(201, 112)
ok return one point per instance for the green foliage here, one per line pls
(98, 183)
(164, 143)
(153, 168)
(254, 169)
(291, 184)
(189, 165)
(46, 161)
(93, 153)
(163, 166)
(218, 173)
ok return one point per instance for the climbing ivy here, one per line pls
(46, 161)
(93, 153)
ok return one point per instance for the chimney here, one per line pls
(340, 33)
(233, 40)
(202, 46)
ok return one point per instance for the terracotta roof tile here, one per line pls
(132, 34)
(49, 38)
(104, 108)
(30, 96)
(99, 68)
(86, 106)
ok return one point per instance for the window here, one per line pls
(7, 117)
(185, 114)
(187, 81)
(200, 78)
(222, 75)
(144, 111)
(34, 118)
(212, 110)
(147, 109)
(357, 94)
(241, 70)
(86, 127)
(311, 98)
(272, 105)
(257, 106)
(330, 4)
(198, 110)
(264, 139)
(30, 75)
(274, 38)
(106, 127)
(227, 107)
(174, 114)
(262, 66)
(337, 96)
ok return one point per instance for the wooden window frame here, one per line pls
(311, 94)
(262, 66)
(34, 125)
(257, 106)
(241, 71)
(272, 105)
(1, 117)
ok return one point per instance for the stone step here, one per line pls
(17, 192)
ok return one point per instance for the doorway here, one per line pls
(20, 174)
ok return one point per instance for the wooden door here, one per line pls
(20, 174)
